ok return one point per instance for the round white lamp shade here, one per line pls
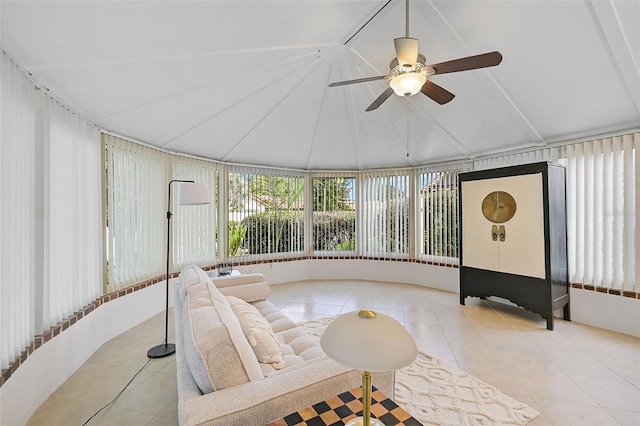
(408, 84)
(369, 341)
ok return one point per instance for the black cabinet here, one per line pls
(513, 237)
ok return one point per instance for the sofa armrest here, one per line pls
(262, 401)
(248, 287)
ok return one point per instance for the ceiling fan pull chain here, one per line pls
(408, 135)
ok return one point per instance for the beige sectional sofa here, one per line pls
(224, 327)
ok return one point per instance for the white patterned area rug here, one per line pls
(437, 394)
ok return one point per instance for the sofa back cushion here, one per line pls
(216, 350)
(189, 276)
(248, 287)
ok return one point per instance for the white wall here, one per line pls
(53, 363)
(359, 269)
(56, 363)
(616, 313)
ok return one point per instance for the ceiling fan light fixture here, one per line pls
(408, 84)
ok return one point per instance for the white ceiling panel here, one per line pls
(246, 81)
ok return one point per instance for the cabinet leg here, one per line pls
(462, 297)
(550, 323)
(566, 312)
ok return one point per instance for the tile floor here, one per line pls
(575, 375)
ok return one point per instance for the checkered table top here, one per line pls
(339, 409)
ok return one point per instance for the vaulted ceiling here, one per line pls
(247, 81)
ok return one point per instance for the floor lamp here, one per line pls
(370, 342)
(190, 194)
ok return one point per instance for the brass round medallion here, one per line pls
(498, 207)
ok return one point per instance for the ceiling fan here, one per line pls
(409, 75)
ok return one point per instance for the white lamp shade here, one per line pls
(408, 84)
(369, 344)
(193, 194)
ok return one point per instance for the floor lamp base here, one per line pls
(162, 350)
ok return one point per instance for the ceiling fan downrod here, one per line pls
(406, 13)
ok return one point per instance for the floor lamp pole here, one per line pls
(166, 348)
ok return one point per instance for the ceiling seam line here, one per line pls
(234, 104)
(255, 126)
(251, 71)
(355, 136)
(366, 23)
(541, 141)
(463, 149)
(315, 130)
(171, 58)
(610, 54)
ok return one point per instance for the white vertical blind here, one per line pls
(50, 212)
(545, 154)
(439, 203)
(383, 203)
(602, 212)
(137, 189)
(194, 227)
(17, 248)
(73, 276)
(137, 181)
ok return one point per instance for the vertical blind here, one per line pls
(266, 212)
(602, 195)
(50, 212)
(136, 212)
(553, 154)
(73, 215)
(17, 216)
(383, 203)
(136, 201)
(194, 227)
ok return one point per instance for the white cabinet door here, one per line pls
(478, 248)
(522, 251)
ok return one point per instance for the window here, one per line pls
(384, 211)
(194, 237)
(439, 216)
(334, 214)
(135, 199)
(137, 179)
(266, 213)
(602, 212)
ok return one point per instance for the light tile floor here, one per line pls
(574, 375)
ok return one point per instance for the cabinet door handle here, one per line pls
(503, 233)
(494, 233)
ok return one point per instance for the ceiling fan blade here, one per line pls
(437, 93)
(359, 80)
(469, 63)
(383, 97)
(406, 51)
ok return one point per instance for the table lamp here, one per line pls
(371, 342)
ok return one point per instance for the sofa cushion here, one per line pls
(217, 352)
(189, 276)
(277, 320)
(258, 333)
(297, 346)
